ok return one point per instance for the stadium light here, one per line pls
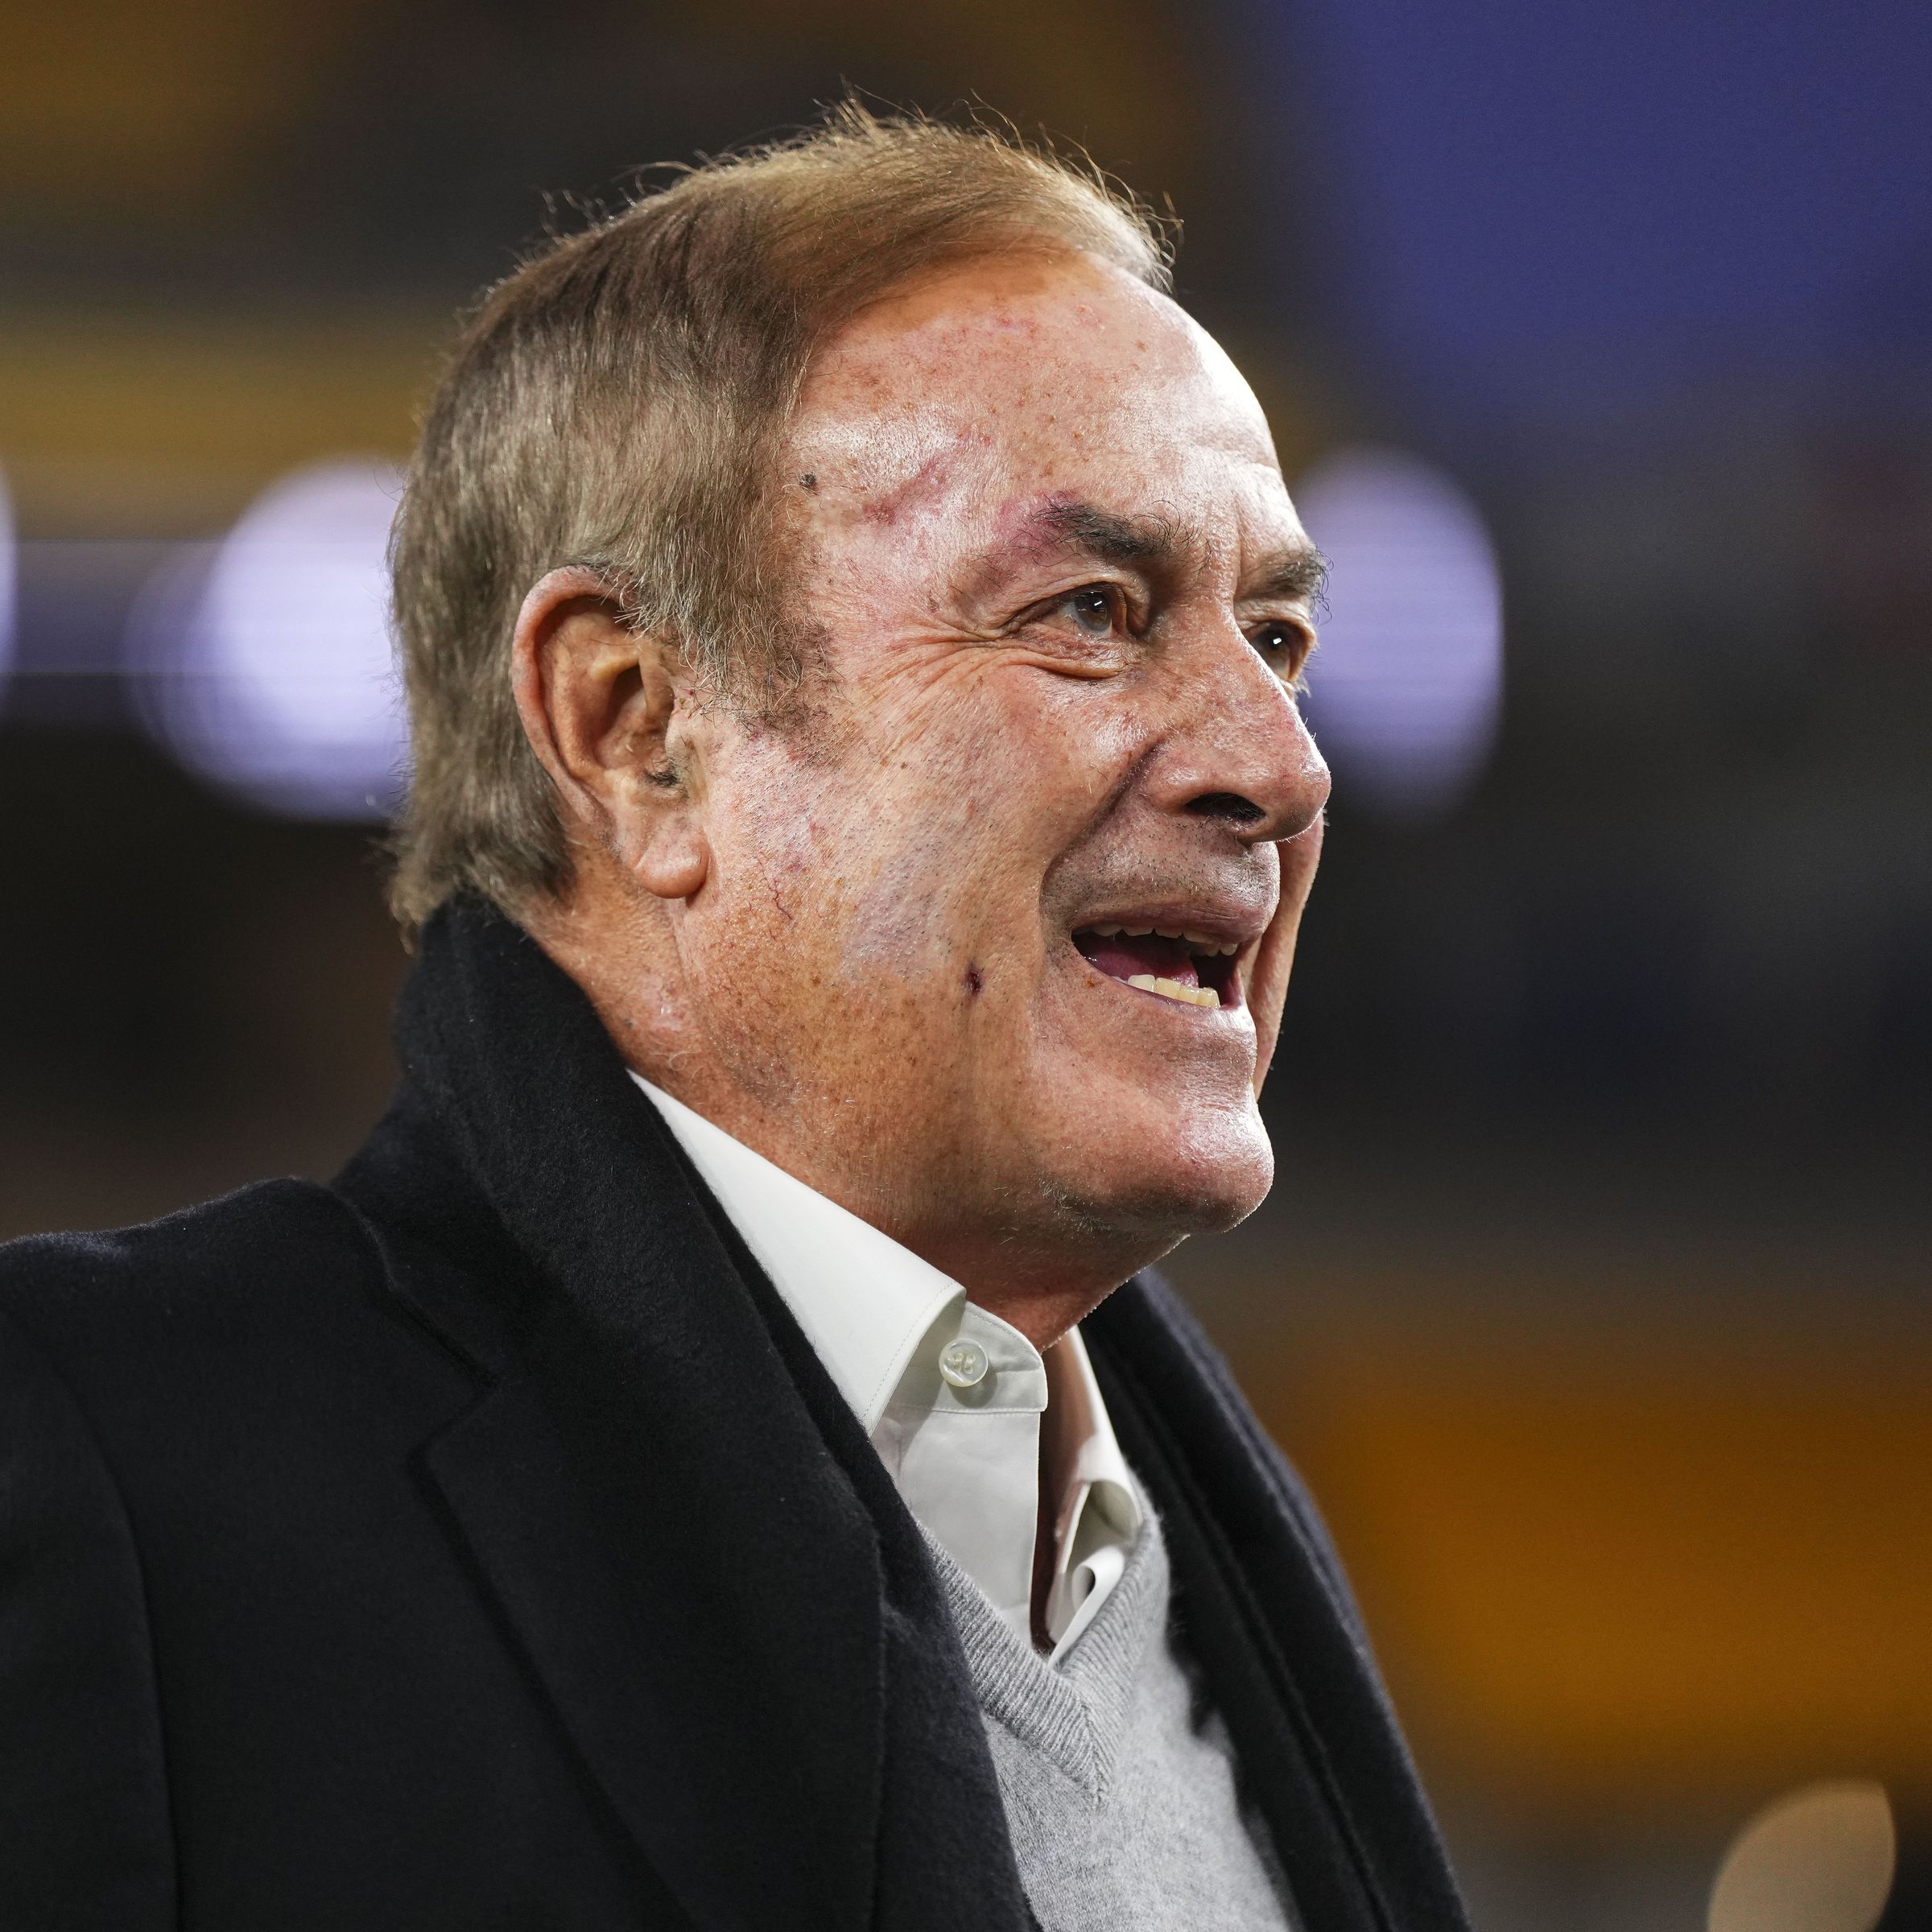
(1406, 692)
(266, 660)
(8, 581)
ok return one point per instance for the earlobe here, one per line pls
(674, 864)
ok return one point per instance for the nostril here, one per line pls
(1229, 806)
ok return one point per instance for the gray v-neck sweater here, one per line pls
(1119, 1783)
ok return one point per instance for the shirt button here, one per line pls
(963, 1363)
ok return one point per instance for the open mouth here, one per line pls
(1191, 968)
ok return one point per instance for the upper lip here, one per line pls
(1216, 926)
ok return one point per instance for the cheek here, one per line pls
(918, 861)
(764, 900)
(849, 878)
(959, 830)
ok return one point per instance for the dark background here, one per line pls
(1592, 1295)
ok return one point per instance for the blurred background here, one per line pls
(1592, 1296)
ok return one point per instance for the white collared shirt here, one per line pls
(951, 1397)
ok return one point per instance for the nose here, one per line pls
(1238, 751)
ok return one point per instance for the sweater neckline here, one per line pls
(1074, 1710)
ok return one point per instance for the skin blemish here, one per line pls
(925, 485)
(976, 981)
(808, 481)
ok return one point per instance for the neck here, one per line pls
(1041, 1288)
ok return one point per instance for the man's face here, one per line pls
(985, 936)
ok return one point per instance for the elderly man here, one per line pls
(697, 1466)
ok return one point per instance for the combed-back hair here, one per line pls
(618, 401)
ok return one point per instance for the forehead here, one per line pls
(1034, 372)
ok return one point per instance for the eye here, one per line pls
(1095, 610)
(1286, 646)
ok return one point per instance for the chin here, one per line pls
(1164, 1185)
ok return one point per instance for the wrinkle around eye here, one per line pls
(1060, 644)
(964, 655)
(1091, 665)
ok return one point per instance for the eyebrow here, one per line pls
(1143, 541)
(1295, 571)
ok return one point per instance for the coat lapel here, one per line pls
(644, 1491)
(504, 1474)
(699, 1554)
(1259, 1597)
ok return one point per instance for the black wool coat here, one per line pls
(477, 1542)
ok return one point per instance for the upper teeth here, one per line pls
(1201, 942)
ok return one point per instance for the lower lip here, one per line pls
(1231, 1000)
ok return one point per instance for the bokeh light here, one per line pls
(266, 664)
(1407, 690)
(7, 603)
(1817, 1859)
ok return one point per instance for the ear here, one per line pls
(599, 702)
(1268, 984)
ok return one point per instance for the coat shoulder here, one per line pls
(277, 1275)
(270, 1231)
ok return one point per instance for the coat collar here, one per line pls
(672, 1505)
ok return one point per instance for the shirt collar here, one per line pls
(1098, 1516)
(878, 1318)
(864, 1301)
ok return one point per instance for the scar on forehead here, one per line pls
(924, 481)
(930, 480)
